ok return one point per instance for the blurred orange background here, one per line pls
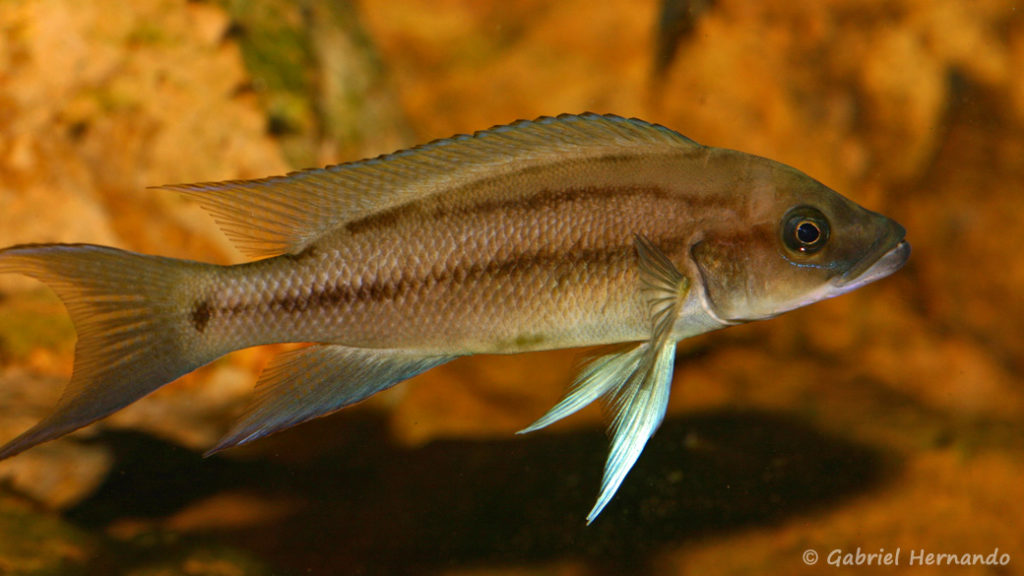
(890, 417)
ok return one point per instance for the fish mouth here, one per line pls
(867, 271)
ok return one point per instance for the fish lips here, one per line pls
(867, 270)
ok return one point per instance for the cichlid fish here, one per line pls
(554, 233)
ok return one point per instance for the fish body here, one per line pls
(479, 271)
(554, 233)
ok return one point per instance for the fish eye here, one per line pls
(805, 230)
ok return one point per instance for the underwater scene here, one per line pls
(879, 431)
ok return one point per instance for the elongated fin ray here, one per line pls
(124, 308)
(639, 406)
(316, 380)
(284, 214)
(636, 379)
(598, 377)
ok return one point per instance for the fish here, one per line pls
(559, 232)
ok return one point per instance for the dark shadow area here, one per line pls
(677, 20)
(374, 507)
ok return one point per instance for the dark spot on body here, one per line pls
(201, 314)
(529, 340)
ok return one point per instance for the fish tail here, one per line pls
(128, 313)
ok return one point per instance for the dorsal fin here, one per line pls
(285, 214)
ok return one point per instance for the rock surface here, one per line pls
(912, 108)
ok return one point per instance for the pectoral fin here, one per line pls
(314, 381)
(635, 379)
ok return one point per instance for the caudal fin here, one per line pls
(126, 311)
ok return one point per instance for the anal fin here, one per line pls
(316, 380)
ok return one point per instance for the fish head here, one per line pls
(793, 242)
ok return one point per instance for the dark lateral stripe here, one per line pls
(344, 295)
(552, 199)
(566, 264)
(386, 218)
(546, 200)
